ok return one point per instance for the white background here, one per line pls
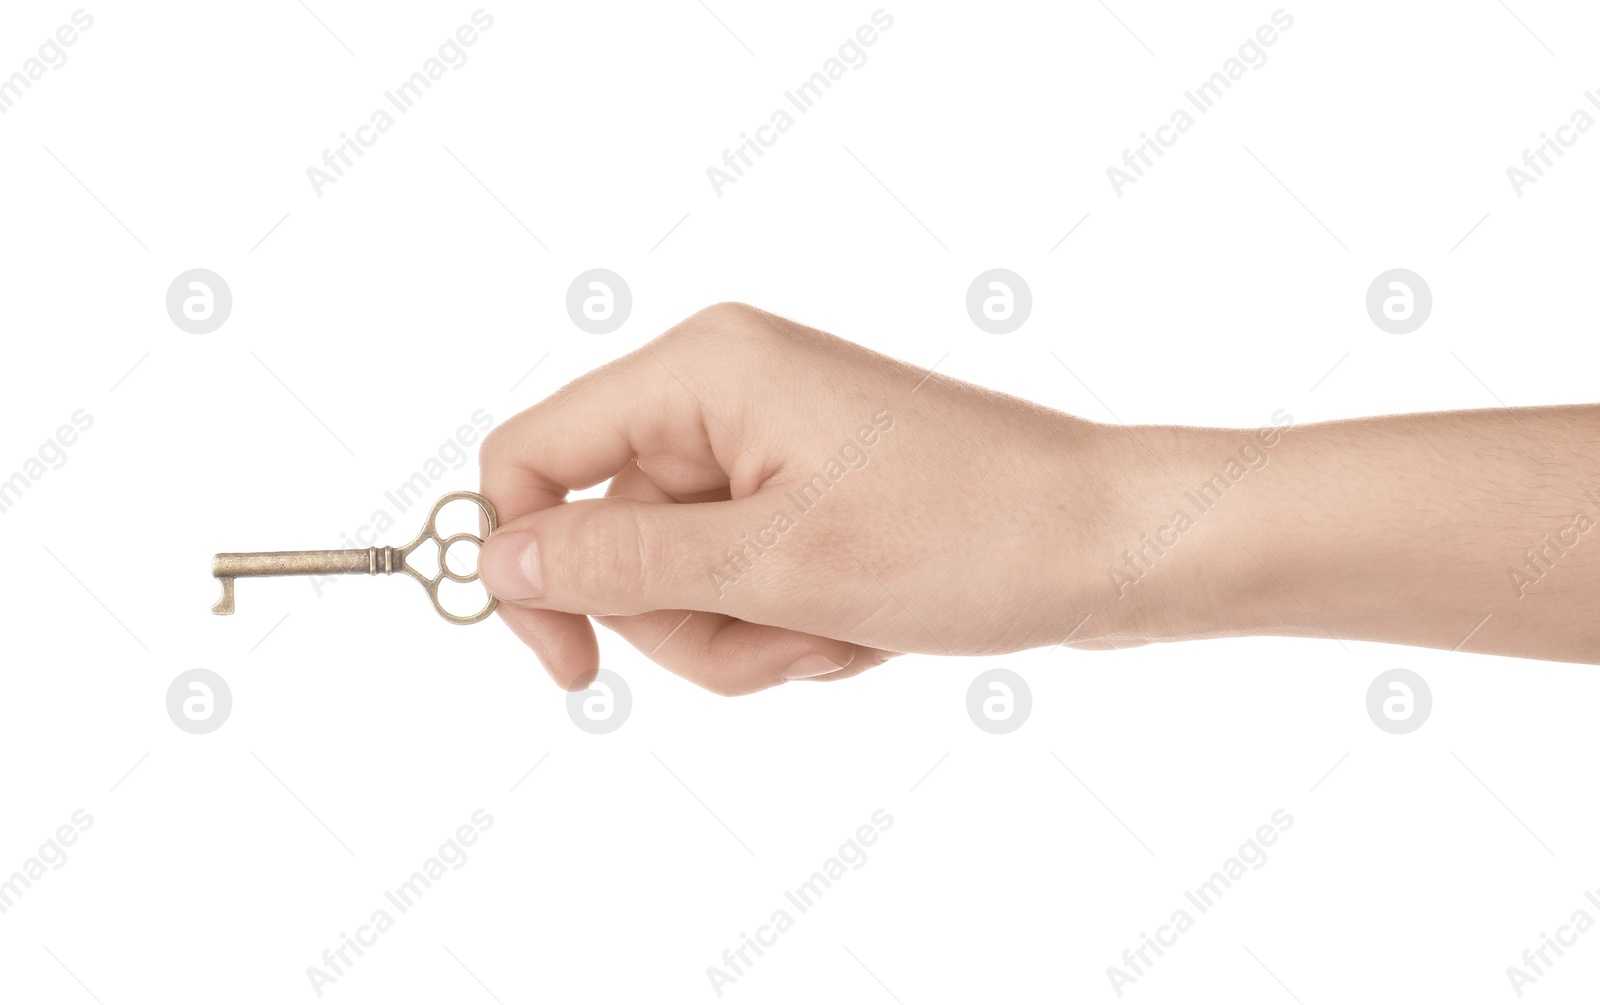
(373, 320)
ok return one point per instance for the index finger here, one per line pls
(653, 405)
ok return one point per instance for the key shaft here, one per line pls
(228, 566)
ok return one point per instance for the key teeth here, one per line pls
(225, 605)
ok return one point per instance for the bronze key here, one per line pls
(229, 566)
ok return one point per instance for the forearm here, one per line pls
(1411, 529)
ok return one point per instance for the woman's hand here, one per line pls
(785, 504)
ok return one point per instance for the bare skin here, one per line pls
(784, 504)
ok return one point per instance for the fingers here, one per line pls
(640, 407)
(585, 433)
(620, 556)
(727, 656)
(564, 643)
(643, 405)
(866, 658)
(717, 652)
(588, 556)
(676, 426)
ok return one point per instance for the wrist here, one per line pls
(1188, 535)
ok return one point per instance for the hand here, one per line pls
(784, 504)
(787, 505)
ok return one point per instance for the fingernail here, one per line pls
(814, 665)
(509, 566)
(583, 681)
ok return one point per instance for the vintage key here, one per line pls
(238, 565)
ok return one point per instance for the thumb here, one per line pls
(615, 556)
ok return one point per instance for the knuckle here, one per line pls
(732, 314)
(491, 448)
(731, 328)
